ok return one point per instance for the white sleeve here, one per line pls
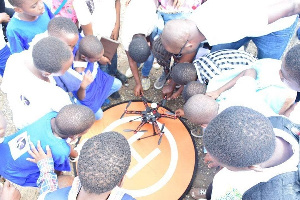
(229, 21)
(82, 12)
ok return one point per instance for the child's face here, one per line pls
(294, 85)
(95, 59)
(70, 40)
(32, 8)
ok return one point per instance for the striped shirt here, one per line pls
(214, 63)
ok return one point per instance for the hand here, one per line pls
(38, 154)
(213, 94)
(87, 79)
(168, 91)
(127, 2)
(138, 90)
(115, 33)
(179, 112)
(4, 17)
(178, 3)
(175, 95)
(9, 192)
(104, 61)
(211, 163)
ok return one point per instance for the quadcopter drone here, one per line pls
(149, 115)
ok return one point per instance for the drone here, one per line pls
(149, 115)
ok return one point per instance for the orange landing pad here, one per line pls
(156, 172)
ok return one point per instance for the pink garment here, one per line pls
(66, 11)
(187, 5)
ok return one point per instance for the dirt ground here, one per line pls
(203, 176)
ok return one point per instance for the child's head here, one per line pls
(139, 49)
(182, 73)
(73, 120)
(193, 88)
(239, 137)
(52, 56)
(64, 29)
(28, 7)
(290, 68)
(104, 160)
(91, 48)
(200, 109)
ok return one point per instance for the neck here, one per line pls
(283, 151)
(36, 72)
(84, 195)
(26, 17)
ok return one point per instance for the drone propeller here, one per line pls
(125, 109)
(161, 131)
(131, 130)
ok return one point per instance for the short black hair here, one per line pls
(192, 88)
(50, 53)
(139, 49)
(240, 137)
(73, 119)
(16, 3)
(90, 46)
(163, 57)
(182, 73)
(292, 63)
(200, 109)
(104, 160)
(61, 25)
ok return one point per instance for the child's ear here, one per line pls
(45, 74)
(82, 57)
(18, 9)
(256, 168)
(280, 75)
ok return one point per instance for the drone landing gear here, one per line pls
(156, 131)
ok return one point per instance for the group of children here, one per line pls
(57, 79)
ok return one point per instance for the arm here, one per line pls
(176, 94)
(87, 29)
(47, 181)
(115, 32)
(87, 80)
(8, 191)
(282, 8)
(138, 89)
(215, 94)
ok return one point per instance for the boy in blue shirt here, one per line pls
(31, 17)
(53, 129)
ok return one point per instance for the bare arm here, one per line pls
(138, 89)
(87, 29)
(115, 32)
(248, 72)
(283, 8)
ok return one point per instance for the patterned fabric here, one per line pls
(66, 11)
(91, 5)
(214, 63)
(47, 181)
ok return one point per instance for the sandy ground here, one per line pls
(203, 176)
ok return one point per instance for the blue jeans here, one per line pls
(147, 65)
(272, 45)
(117, 84)
(111, 69)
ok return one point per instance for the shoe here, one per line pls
(155, 64)
(121, 77)
(146, 83)
(128, 72)
(106, 102)
(115, 95)
(198, 193)
(159, 83)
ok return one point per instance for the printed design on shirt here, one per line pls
(25, 101)
(233, 194)
(19, 145)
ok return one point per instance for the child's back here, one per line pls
(31, 18)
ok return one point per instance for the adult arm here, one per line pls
(248, 72)
(115, 32)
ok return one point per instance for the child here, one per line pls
(103, 163)
(139, 21)
(182, 73)
(53, 129)
(31, 17)
(251, 151)
(96, 85)
(36, 93)
(4, 49)
(192, 88)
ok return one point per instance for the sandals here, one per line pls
(198, 193)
